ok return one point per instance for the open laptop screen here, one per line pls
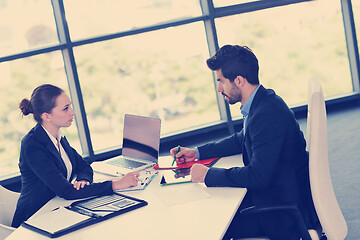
(141, 137)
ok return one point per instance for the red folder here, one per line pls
(206, 162)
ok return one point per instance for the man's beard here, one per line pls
(233, 98)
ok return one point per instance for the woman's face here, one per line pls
(62, 114)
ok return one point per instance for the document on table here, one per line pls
(82, 213)
(146, 176)
(57, 220)
(180, 194)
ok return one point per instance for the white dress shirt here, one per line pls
(62, 152)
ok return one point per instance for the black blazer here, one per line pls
(276, 163)
(44, 175)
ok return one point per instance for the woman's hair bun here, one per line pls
(25, 107)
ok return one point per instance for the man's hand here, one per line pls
(184, 154)
(198, 173)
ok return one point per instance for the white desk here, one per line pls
(183, 211)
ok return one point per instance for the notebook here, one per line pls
(140, 148)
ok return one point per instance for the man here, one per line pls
(272, 147)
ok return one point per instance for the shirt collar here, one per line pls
(52, 138)
(246, 107)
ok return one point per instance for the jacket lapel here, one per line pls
(65, 144)
(258, 96)
(247, 141)
(43, 137)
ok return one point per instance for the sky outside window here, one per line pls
(26, 25)
(105, 17)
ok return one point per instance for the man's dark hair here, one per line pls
(235, 60)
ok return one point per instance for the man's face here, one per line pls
(228, 89)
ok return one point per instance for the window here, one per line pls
(26, 25)
(223, 3)
(99, 17)
(18, 79)
(161, 74)
(356, 12)
(148, 57)
(293, 43)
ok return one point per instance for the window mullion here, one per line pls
(352, 47)
(213, 45)
(73, 79)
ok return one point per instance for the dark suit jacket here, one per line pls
(43, 174)
(275, 159)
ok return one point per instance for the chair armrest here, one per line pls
(268, 208)
(292, 209)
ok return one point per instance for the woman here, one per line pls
(48, 164)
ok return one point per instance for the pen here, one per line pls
(177, 150)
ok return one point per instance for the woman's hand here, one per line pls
(129, 180)
(80, 184)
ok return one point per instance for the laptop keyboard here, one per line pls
(126, 163)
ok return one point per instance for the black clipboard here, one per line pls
(78, 215)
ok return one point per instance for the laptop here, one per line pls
(140, 149)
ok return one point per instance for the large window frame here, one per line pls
(209, 14)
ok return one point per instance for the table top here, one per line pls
(181, 211)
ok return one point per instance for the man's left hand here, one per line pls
(198, 173)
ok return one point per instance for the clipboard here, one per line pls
(146, 176)
(165, 163)
(171, 177)
(80, 214)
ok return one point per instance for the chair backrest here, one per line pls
(5, 231)
(8, 201)
(326, 205)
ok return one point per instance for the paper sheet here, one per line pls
(183, 193)
(165, 161)
(57, 220)
(146, 176)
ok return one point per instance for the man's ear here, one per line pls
(46, 117)
(239, 81)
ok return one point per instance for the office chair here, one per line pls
(8, 201)
(326, 205)
(327, 208)
(5, 231)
